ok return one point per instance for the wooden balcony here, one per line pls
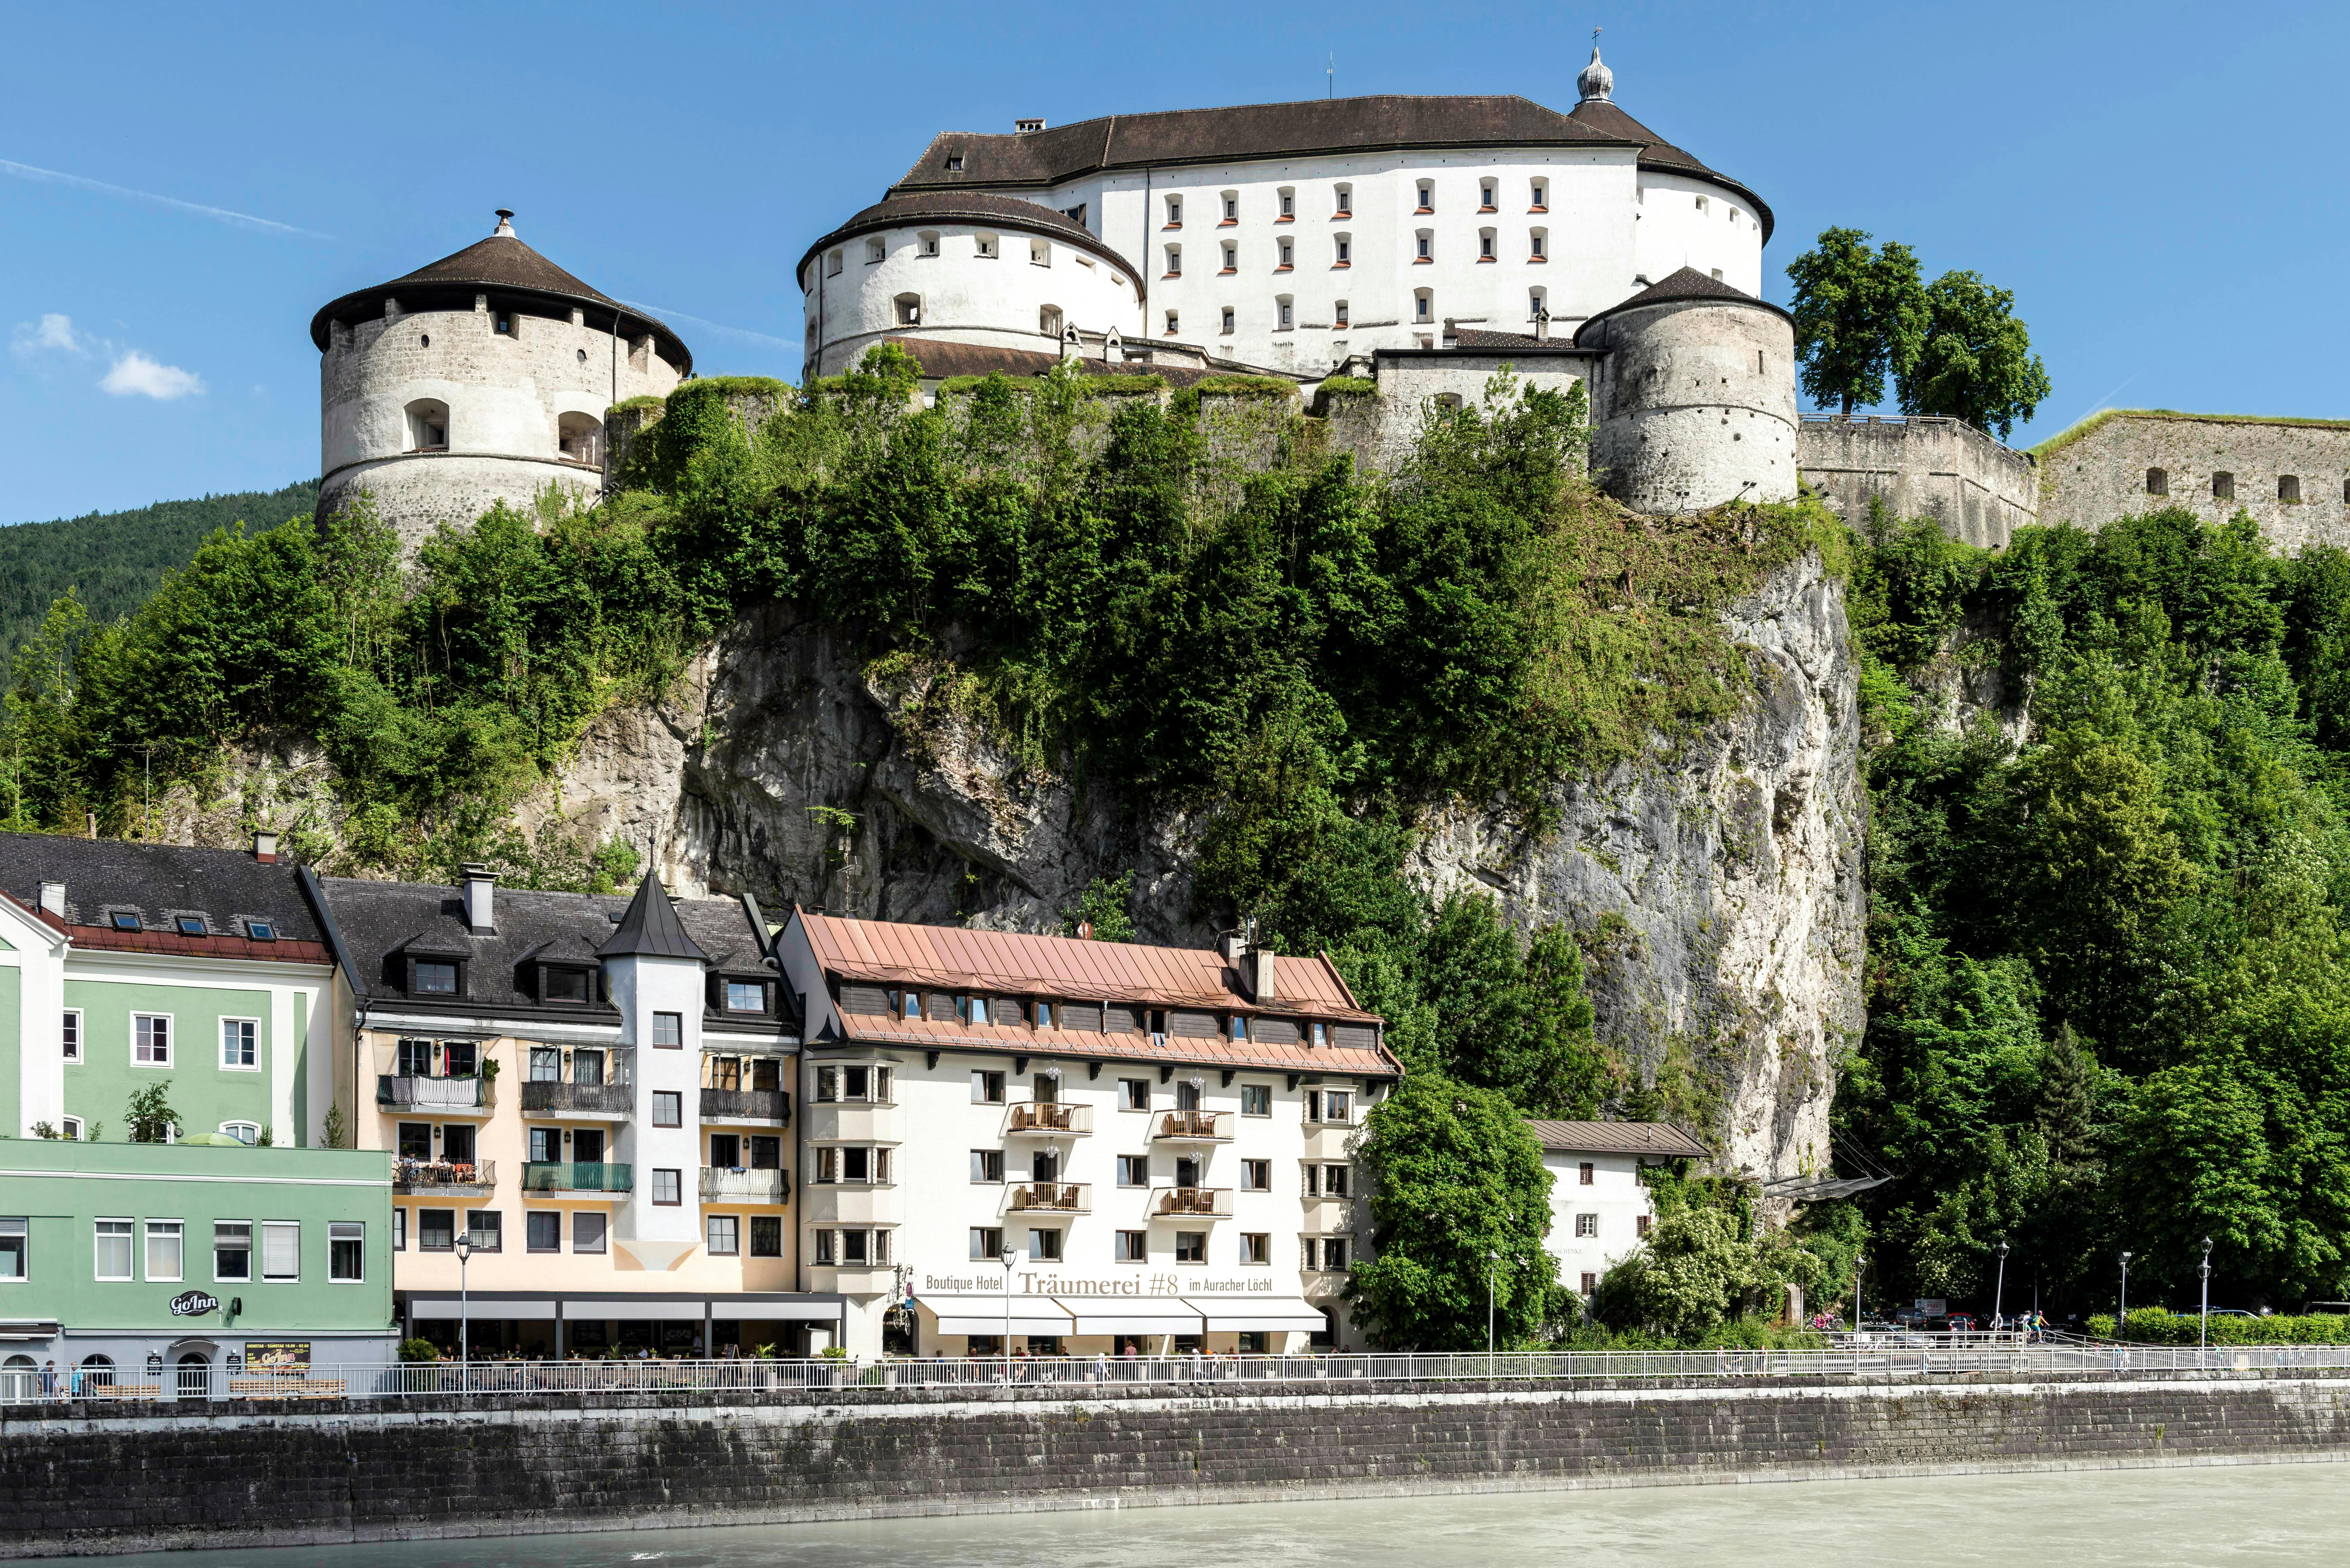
(1193, 1126)
(1192, 1203)
(1050, 1198)
(1039, 1118)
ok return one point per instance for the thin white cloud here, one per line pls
(135, 375)
(219, 215)
(53, 333)
(715, 325)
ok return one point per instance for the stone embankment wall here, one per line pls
(87, 1480)
(1979, 491)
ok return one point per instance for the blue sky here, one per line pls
(2160, 185)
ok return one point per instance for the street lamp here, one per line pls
(1011, 1255)
(464, 1313)
(2121, 1323)
(1999, 1296)
(2204, 1332)
(1858, 1259)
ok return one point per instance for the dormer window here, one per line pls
(433, 977)
(954, 163)
(122, 921)
(261, 930)
(563, 985)
(191, 925)
(746, 996)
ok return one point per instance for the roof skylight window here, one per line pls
(125, 922)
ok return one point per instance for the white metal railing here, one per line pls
(1078, 1373)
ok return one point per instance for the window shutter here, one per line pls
(1354, 1036)
(1120, 1019)
(1005, 1010)
(1081, 1015)
(281, 1251)
(864, 999)
(1273, 1031)
(1192, 1026)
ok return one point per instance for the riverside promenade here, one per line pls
(670, 1444)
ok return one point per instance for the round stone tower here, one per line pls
(1694, 403)
(482, 378)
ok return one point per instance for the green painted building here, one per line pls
(210, 975)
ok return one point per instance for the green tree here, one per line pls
(1459, 1196)
(1698, 1270)
(1975, 360)
(150, 1114)
(1861, 315)
(1106, 906)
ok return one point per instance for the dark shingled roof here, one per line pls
(499, 265)
(381, 920)
(1688, 283)
(1659, 1138)
(1243, 132)
(944, 358)
(910, 211)
(159, 883)
(650, 928)
(1480, 340)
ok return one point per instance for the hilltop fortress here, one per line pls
(1412, 244)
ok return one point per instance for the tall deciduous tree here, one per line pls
(1459, 1196)
(1861, 315)
(1975, 362)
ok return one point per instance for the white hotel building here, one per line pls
(1161, 1139)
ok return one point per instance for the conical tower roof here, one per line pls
(650, 928)
(503, 267)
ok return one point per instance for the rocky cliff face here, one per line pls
(1718, 884)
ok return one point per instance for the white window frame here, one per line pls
(171, 1038)
(231, 1129)
(1130, 1247)
(20, 1228)
(978, 1239)
(247, 1278)
(70, 1128)
(130, 1240)
(271, 1228)
(1586, 1227)
(70, 1035)
(711, 1224)
(228, 1066)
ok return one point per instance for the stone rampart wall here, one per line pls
(1979, 491)
(2293, 479)
(83, 1479)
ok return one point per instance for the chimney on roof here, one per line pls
(265, 846)
(1023, 127)
(506, 223)
(1233, 943)
(53, 898)
(1257, 975)
(479, 882)
(1542, 324)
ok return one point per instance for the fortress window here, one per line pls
(1174, 261)
(2223, 486)
(876, 249)
(1427, 247)
(1538, 244)
(2158, 483)
(1284, 321)
(1232, 206)
(909, 309)
(1227, 320)
(1286, 261)
(1231, 256)
(1171, 320)
(930, 241)
(832, 264)
(428, 426)
(1701, 205)
(581, 355)
(1049, 321)
(1288, 205)
(1537, 301)
(1485, 195)
(502, 323)
(1174, 211)
(1427, 196)
(2345, 492)
(1423, 304)
(1542, 197)
(1733, 214)
(985, 244)
(580, 437)
(1449, 401)
(1342, 252)
(1040, 252)
(1345, 207)
(1338, 318)
(425, 340)
(1485, 252)
(2288, 487)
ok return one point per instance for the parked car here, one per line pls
(1960, 1322)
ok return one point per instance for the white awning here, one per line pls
(985, 1315)
(623, 1310)
(1259, 1314)
(492, 1310)
(1137, 1314)
(754, 1310)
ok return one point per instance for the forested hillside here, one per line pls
(113, 560)
(2107, 859)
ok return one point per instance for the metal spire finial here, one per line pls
(1596, 81)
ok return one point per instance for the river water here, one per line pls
(2265, 1514)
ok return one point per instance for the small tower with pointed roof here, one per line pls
(483, 378)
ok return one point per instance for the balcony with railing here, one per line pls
(1046, 1119)
(1050, 1198)
(444, 1178)
(1193, 1126)
(566, 1176)
(1192, 1203)
(735, 1184)
(771, 1105)
(403, 1091)
(604, 1101)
